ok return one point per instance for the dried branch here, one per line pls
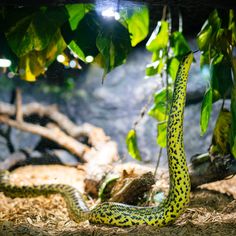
(54, 135)
(18, 103)
(94, 134)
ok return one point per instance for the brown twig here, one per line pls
(95, 135)
(54, 135)
(18, 103)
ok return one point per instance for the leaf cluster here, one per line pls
(167, 50)
(32, 38)
(217, 40)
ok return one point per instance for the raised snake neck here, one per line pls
(121, 214)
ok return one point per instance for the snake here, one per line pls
(119, 214)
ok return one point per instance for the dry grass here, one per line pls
(210, 212)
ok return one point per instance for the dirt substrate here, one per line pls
(210, 212)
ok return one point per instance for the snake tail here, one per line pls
(75, 202)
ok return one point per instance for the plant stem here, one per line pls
(232, 59)
(233, 62)
(158, 160)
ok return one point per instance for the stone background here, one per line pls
(116, 104)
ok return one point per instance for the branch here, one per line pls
(18, 102)
(95, 135)
(54, 135)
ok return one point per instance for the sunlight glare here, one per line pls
(73, 63)
(5, 63)
(61, 58)
(10, 75)
(109, 12)
(89, 59)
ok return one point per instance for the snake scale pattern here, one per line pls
(121, 214)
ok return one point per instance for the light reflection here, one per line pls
(10, 75)
(5, 63)
(206, 72)
(73, 63)
(89, 59)
(109, 12)
(61, 58)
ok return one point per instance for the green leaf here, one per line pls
(110, 179)
(232, 26)
(221, 134)
(76, 13)
(137, 19)
(35, 31)
(158, 110)
(221, 78)
(209, 32)
(233, 126)
(34, 63)
(76, 50)
(162, 132)
(11, 15)
(114, 45)
(217, 58)
(206, 110)
(7, 53)
(131, 143)
(203, 38)
(214, 20)
(205, 59)
(172, 67)
(155, 67)
(87, 32)
(159, 38)
(179, 44)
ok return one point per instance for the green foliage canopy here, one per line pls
(33, 37)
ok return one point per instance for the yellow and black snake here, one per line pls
(121, 214)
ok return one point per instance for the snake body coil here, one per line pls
(121, 214)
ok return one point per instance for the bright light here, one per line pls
(117, 16)
(73, 63)
(5, 63)
(89, 59)
(111, 13)
(61, 58)
(10, 75)
(206, 72)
